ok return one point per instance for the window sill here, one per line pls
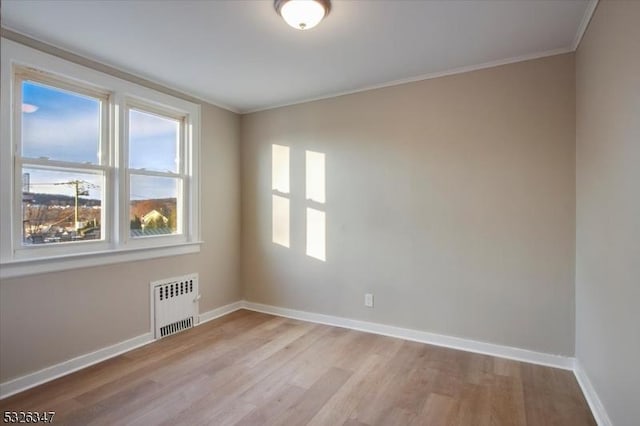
(24, 267)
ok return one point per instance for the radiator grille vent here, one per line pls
(176, 327)
(175, 303)
(174, 289)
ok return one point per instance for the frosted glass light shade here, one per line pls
(302, 14)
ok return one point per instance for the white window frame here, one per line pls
(104, 166)
(116, 245)
(182, 173)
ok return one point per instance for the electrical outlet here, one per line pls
(368, 300)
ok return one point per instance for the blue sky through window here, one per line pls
(61, 125)
(153, 142)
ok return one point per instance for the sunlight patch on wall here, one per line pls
(280, 168)
(280, 220)
(316, 234)
(280, 185)
(315, 185)
(315, 195)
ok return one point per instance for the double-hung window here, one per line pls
(60, 165)
(156, 173)
(94, 169)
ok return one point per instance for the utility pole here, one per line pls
(79, 189)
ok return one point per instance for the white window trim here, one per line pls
(117, 247)
(20, 252)
(183, 172)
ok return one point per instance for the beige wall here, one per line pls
(608, 207)
(452, 200)
(47, 319)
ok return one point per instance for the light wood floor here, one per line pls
(249, 368)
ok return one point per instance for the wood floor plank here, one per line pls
(340, 406)
(272, 408)
(380, 403)
(507, 402)
(280, 378)
(249, 368)
(437, 410)
(317, 360)
(475, 406)
(354, 422)
(507, 367)
(313, 399)
(375, 399)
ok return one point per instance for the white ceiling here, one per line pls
(241, 54)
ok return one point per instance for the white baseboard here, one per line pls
(597, 408)
(467, 345)
(218, 312)
(47, 374)
(66, 367)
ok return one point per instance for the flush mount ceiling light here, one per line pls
(302, 14)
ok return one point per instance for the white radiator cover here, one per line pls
(175, 304)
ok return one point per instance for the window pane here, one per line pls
(315, 176)
(316, 234)
(59, 125)
(280, 220)
(280, 168)
(154, 205)
(61, 206)
(153, 142)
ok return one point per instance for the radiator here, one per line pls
(175, 303)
